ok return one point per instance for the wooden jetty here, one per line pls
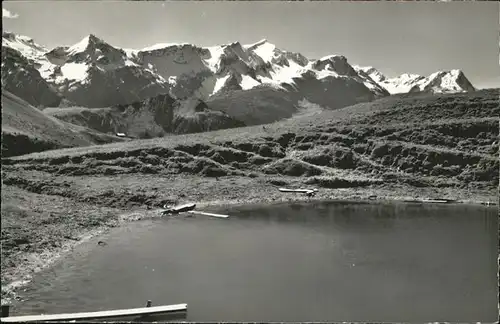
(101, 315)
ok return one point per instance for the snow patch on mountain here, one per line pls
(73, 71)
(286, 73)
(248, 82)
(264, 49)
(220, 83)
(326, 72)
(215, 57)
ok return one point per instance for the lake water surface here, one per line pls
(300, 262)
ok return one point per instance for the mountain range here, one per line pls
(193, 88)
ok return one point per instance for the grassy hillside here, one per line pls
(260, 105)
(25, 129)
(444, 140)
(154, 117)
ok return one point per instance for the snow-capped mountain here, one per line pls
(20, 76)
(452, 81)
(93, 73)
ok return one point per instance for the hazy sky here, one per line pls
(395, 37)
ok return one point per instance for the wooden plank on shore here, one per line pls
(208, 214)
(118, 313)
(435, 201)
(298, 190)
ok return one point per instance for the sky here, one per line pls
(394, 37)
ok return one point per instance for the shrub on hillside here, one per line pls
(379, 151)
(162, 152)
(127, 162)
(213, 171)
(106, 156)
(335, 157)
(203, 166)
(225, 155)
(112, 170)
(277, 182)
(195, 149)
(59, 160)
(451, 171)
(146, 169)
(267, 150)
(359, 148)
(291, 167)
(320, 158)
(304, 146)
(150, 159)
(19, 144)
(259, 160)
(145, 134)
(327, 182)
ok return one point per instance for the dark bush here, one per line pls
(340, 183)
(292, 168)
(380, 151)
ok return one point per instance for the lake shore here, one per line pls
(53, 224)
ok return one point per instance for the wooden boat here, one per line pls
(179, 209)
(121, 314)
(309, 192)
(189, 208)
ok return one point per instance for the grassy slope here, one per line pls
(423, 146)
(25, 129)
(153, 117)
(261, 105)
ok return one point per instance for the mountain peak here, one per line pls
(366, 69)
(23, 44)
(372, 72)
(8, 35)
(445, 82)
(233, 45)
(452, 73)
(336, 63)
(86, 43)
(161, 46)
(333, 58)
(439, 82)
(256, 44)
